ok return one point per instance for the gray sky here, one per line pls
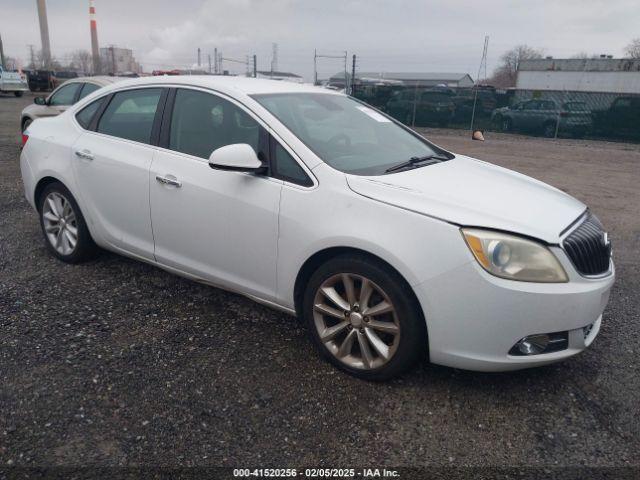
(400, 35)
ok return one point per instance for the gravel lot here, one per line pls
(116, 362)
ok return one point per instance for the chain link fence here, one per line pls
(531, 112)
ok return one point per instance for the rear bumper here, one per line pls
(14, 87)
(474, 319)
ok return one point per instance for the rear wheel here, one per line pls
(63, 226)
(18, 94)
(363, 318)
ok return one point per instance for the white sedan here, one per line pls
(388, 246)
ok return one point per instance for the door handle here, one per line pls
(169, 181)
(84, 154)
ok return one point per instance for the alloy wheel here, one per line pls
(60, 224)
(356, 321)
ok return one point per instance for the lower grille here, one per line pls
(588, 247)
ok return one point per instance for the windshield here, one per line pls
(345, 133)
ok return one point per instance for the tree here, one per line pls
(633, 49)
(81, 60)
(505, 75)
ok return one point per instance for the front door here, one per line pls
(220, 226)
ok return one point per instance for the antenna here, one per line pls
(483, 64)
(274, 58)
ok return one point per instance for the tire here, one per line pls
(507, 125)
(18, 94)
(25, 123)
(71, 220)
(402, 330)
(408, 119)
(549, 130)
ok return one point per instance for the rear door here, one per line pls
(111, 162)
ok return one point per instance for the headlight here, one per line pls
(513, 257)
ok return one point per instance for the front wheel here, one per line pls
(363, 317)
(18, 94)
(63, 226)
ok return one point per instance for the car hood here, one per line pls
(470, 192)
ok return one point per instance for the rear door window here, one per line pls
(88, 88)
(130, 114)
(85, 115)
(65, 95)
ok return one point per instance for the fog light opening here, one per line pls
(541, 343)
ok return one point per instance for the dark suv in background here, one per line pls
(430, 106)
(545, 117)
(621, 119)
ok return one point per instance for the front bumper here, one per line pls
(474, 319)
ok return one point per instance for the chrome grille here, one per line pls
(588, 247)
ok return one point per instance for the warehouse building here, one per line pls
(422, 79)
(604, 74)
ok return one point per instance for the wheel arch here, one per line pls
(41, 185)
(314, 261)
(23, 121)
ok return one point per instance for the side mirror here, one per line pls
(238, 157)
(40, 101)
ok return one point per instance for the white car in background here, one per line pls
(389, 247)
(12, 81)
(63, 97)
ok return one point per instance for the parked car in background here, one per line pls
(484, 99)
(421, 107)
(58, 78)
(62, 98)
(12, 81)
(40, 80)
(544, 117)
(386, 245)
(621, 119)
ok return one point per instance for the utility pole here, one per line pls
(255, 66)
(346, 80)
(32, 56)
(199, 57)
(315, 66)
(113, 60)
(44, 33)
(215, 58)
(2, 64)
(353, 76)
(209, 58)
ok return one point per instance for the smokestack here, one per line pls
(44, 32)
(95, 50)
(2, 64)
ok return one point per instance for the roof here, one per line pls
(102, 80)
(580, 65)
(278, 74)
(227, 84)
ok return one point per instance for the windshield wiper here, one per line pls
(414, 162)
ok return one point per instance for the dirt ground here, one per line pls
(116, 362)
